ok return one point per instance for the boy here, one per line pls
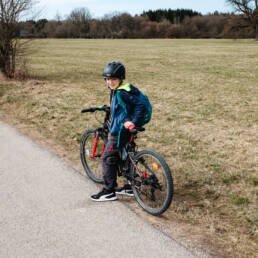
(123, 118)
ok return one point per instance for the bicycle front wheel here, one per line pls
(91, 151)
(152, 182)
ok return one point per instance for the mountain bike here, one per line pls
(146, 171)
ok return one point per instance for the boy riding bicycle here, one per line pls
(127, 111)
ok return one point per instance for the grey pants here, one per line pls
(111, 150)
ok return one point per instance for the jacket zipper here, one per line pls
(111, 104)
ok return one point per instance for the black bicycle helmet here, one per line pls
(114, 70)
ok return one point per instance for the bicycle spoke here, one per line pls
(154, 187)
(91, 156)
(147, 167)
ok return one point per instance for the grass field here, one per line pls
(205, 123)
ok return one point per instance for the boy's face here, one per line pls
(113, 83)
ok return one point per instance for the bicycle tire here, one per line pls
(92, 167)
(156, 202)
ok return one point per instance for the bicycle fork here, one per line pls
(95, 144)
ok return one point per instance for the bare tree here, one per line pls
(250, 10)
(11, 46)
(80, 21)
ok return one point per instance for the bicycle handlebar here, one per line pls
(99, 108)
(136, 130)
(133, 130)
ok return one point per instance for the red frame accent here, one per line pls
(102, 149)
(94, 147)
(111, 148)
(132, 138)
(96, 140)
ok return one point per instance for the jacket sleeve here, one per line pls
(136, 107)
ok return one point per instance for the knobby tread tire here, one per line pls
(86, 167)
(169, 181)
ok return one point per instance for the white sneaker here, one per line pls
(104, 195)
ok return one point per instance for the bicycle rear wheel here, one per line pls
(91, 157)
(152, 184)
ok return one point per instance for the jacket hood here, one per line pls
(129, 88)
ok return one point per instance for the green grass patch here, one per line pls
(238, 199)
(230, 179)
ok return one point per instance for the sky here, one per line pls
(98, 8)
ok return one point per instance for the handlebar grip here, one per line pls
(135, 130)
(88, 110)
(99, 108)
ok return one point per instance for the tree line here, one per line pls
(180, 23)
(168, 23)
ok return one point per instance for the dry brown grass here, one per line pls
(204, 95)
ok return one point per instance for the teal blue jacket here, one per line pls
(125, 106)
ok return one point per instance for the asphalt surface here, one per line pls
(45, 211)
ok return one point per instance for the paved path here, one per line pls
(45, 211)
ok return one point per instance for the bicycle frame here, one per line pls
(125, 151)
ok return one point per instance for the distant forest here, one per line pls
(162, 23)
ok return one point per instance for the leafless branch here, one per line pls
(248, 8)
(10, 47)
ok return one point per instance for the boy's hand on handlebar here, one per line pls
(129, 125)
